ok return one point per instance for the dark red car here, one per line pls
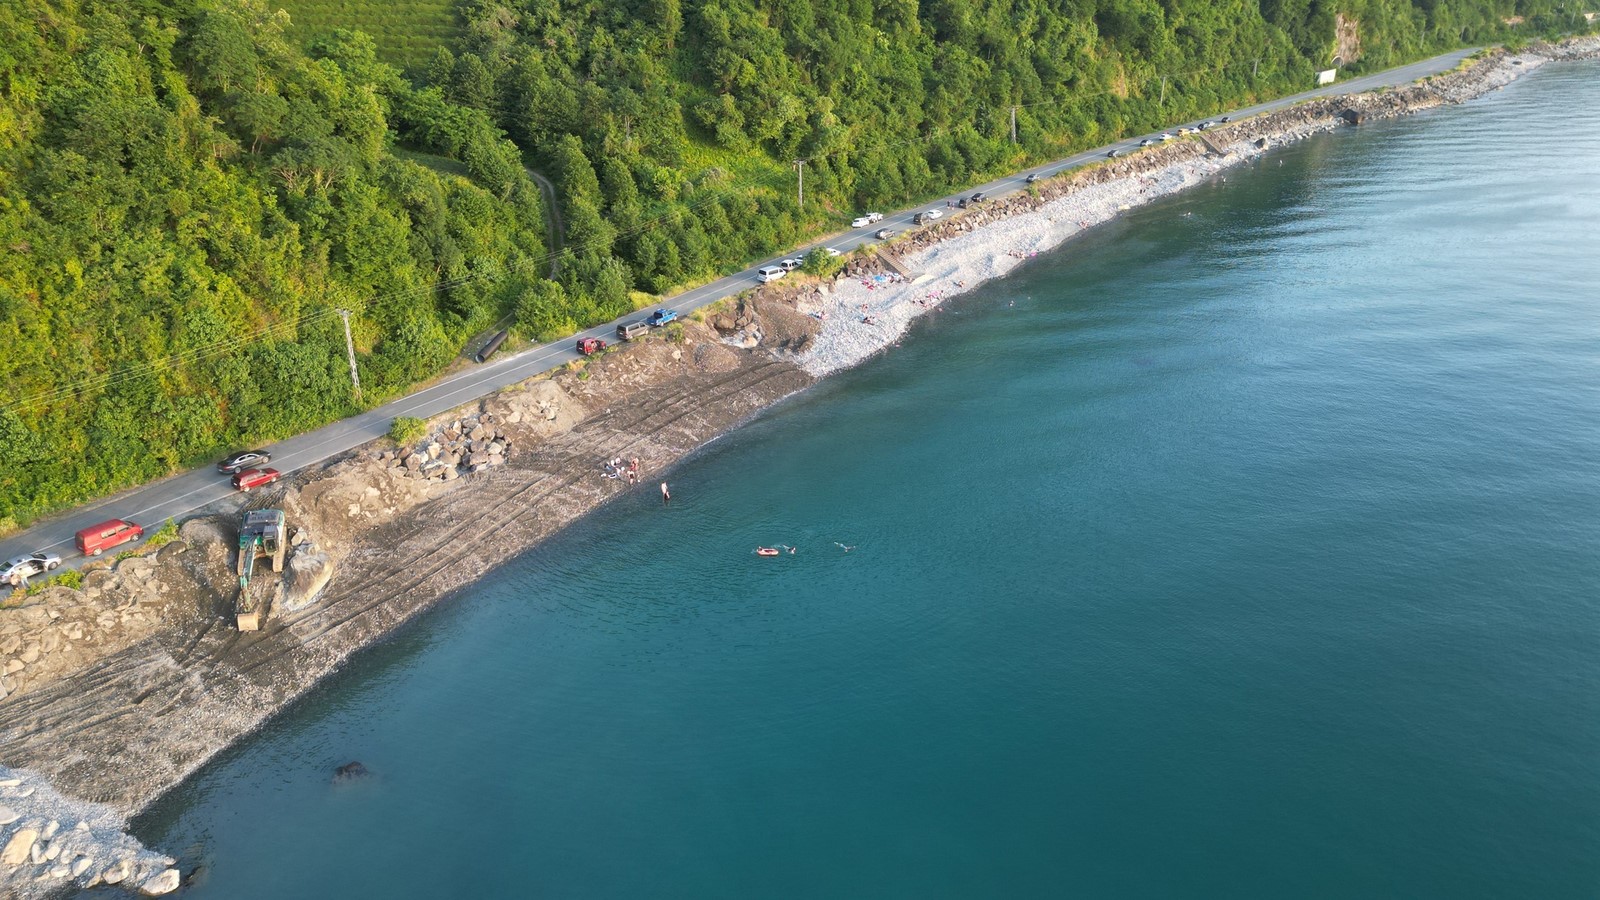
(591, 345)
(254, 478)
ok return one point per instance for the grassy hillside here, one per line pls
(186, 198)
(407, 32)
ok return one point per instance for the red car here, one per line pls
(254, 478)
(591, 345)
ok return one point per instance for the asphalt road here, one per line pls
(180, 495)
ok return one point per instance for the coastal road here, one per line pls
(190, 492)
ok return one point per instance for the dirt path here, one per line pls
(555, 229)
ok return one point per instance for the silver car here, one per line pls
(22, 567)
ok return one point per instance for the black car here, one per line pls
(1032, 177)
(245, 459)
(978, 197)
(1113, 154)
(1226, 119)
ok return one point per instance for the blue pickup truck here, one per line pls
(661, 317)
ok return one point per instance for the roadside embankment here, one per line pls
(114, 693)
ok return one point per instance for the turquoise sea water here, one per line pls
(1247, 548)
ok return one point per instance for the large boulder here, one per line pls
(306, 574)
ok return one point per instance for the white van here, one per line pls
(769, 273)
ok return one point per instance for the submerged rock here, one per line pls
(350, 771)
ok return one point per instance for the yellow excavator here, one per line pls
(262, 533)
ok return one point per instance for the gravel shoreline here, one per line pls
(866, 315)
(141, 720)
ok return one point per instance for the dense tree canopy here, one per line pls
(184, 199)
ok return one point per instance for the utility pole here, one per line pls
(800, 186)
(1013, 124)
(1163, 90)
(350, 350)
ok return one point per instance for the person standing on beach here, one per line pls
(666, 495)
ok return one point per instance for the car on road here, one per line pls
(15, 570)
(1209, 123)
(254, 478)
(1114, 152)
(860, 222)
(834, 253)
(933, 214)
(244, 459)
(770, 273)
(1032, 177)
(1166, 136)
(874, 217)
(661, 317)
(1226, 119)
(630, 330)
(1148, 141)
(588, 346)
(977, 198)
(883, 234)
(97, 539)
(789, 265)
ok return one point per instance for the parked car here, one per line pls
(1166, 136)
(874, 217)
(254, 478)
(1185, 131)
(589, 346)
(933, 214)
(919, 219)
(1209, 123)
(978, 197)
(770, 273)
(962, 203)
(245, 459)
(789, 265)
(860, 222)
(1032, 177)
(1114, 152)
(630, 330)
(15, 570)
(96, 539)
(1226, 119)
(661, 317)
(834, 253)
(1148, 141)
(883, 234)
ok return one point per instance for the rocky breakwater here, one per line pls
(50, 844)
(781, 317)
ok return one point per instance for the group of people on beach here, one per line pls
(616, 467)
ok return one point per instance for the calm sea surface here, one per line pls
(1248, 548)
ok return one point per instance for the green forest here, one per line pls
(190, 190)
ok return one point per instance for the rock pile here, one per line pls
(466, 445)
(48, 843)
(60, 629)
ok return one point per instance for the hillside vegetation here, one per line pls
(407, 32)
(672, 125)
(185, 197)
